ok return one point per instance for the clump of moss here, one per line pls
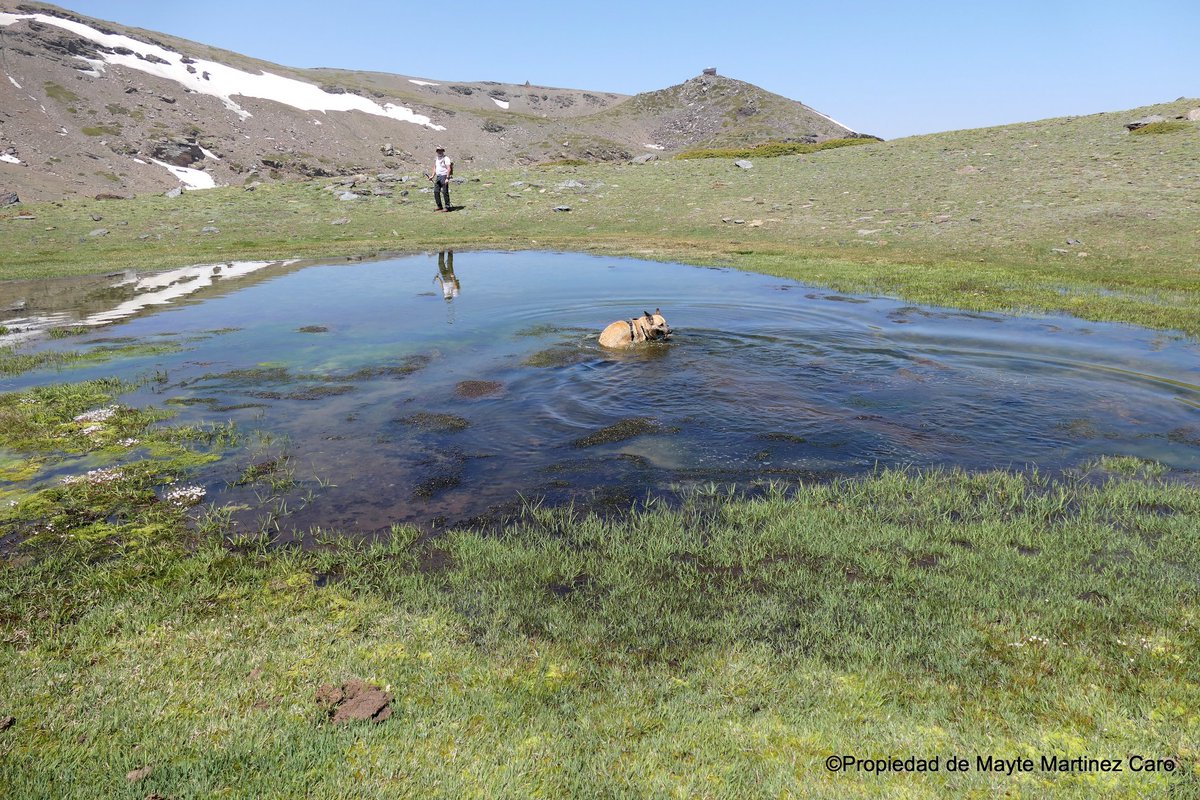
(474, 389)
(1166, 126)
(554, 357)
(774, 149)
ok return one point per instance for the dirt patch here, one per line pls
(620, 431)
(475, 389)
(354, 701)
(139, 774)
(1093, 597)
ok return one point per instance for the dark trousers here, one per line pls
(441, 189)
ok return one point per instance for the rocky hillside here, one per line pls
(90, 107)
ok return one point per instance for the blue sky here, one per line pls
(888, 68)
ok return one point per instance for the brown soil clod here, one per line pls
(139, 774)
(7, 722)
(354, 701)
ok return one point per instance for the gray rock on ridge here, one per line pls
(1144, 121)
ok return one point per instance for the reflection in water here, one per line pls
(416, 417)
(448, 281)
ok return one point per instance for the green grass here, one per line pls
(722, 649)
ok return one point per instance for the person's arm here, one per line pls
(449, 167)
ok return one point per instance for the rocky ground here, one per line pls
(80, 116)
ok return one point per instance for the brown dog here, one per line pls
(646, 328)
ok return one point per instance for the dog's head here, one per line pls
(654, 326)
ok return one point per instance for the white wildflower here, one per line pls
(184, 496)
(128, 442)
(98, 414)
(96, 477)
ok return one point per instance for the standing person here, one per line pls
(443, 170)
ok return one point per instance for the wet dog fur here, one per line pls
(646, 328)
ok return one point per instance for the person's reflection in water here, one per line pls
(448, 280)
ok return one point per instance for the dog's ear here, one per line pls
(658, 312)
(646, 314)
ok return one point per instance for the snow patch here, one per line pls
(502, 103)
(224, 82)
(208, 154)
(654, 147)
(13, 81)
(423, 83)
(9, 159)
(190, 178)
(148, 290)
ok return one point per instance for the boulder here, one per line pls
(1194, 114)
(743, 164)
(1144, 121)
(8, 199)
(178, 153)
(176, 192)
(645, 159)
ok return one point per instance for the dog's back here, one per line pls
(623, 333)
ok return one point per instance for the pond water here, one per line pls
(408, 391)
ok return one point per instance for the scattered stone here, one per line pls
(354, 701)
(644, 159)
(96, 217)
(99, 232)
(1194, 114)
(24, 217)
(755, 223)
(1059, 250)
(176, 192)
(210, 229)
(571, 184)
(8, 199)
(109, 196)
(1144, 121)
(743, 163)
(739, 222)
(967, 170)
(341, 221)
(1073, 242)
(139, 774)
(562, 208)
(166, 98)
(7, 722)
(347, 196)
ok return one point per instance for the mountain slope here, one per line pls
(90, 107)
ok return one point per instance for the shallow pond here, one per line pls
(406, 391)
